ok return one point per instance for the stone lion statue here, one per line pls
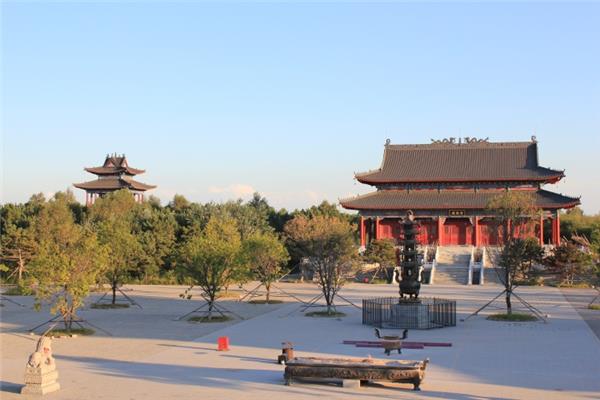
(42, 355)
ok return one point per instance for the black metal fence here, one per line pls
(424, 313)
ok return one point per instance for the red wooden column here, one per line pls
(440, 226)
(377, 235)
(362, 231)
(557, 228)
(476, 233)
(541, 232)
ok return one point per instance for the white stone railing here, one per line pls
(471, 263)
(476, 264)
(432, 265)
(482, 269)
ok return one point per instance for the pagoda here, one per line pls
(114, 174)
(448, 184)
(412, 259)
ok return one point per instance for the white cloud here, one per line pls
(238, 190)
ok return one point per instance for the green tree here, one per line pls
(328, 244)
(328, 209)
(155, 229)
(278, 219)
(264, 255)
(69, 259)
(382, 252)
(511, 209)
(212, 259)
(112, 218)
(250, 218)
(17, 242)
(533, 253)
(570, 263)
(191, 218)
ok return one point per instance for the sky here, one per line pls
(217, 100)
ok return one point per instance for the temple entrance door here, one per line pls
(456, 231)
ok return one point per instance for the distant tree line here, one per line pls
(575, 223)
(59, 248)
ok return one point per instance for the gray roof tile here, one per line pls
(472, 162)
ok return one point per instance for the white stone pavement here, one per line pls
(488, 360)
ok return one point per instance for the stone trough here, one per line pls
(354, 371)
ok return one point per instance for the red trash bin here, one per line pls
(223, 343)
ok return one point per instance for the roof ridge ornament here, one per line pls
(465, 140)
(388, 141)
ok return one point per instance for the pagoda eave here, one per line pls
(390, 200)
(112, 170)
(103, 185)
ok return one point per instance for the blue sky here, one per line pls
(217, 100)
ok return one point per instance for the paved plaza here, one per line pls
(152, 356)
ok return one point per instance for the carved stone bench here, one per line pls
(357, 369)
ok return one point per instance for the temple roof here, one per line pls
(115, 183)
(445, 199)
(475, 161)
(115, 165)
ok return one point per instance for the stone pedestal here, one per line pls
(40, 380)
(411, 314)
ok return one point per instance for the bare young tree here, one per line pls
(328, 243)
(212, 259)
(264, 256)
(68, 262)
(512, 210)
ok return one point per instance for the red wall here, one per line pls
(389, 229)
(488, 235)
(457, 231)
(427, 232)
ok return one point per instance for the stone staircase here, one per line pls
(452, 265)
(489, 273)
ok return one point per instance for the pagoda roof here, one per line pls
(446, 199)
(474, 161)
(115, 183)
(115, 165)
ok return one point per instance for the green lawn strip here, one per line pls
(73, 331)
(263, 301)
(214, 318)
(108, 306)
(514, 317)
(325, 314)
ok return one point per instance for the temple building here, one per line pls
(448, 184)
(114, 174)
